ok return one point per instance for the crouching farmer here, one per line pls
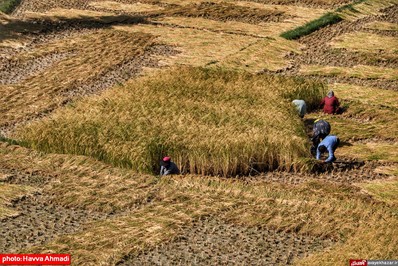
(329, 144)
(301, 107)
(330, 104)
(320, 130)
(167, 167)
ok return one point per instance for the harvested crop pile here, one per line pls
(226, 12)
(209, 121)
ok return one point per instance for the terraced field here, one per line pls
(93, 93)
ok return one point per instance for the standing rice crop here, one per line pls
(211, 121)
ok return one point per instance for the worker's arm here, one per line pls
(331, 154)
(318, 154)
(322, 103)
(162, 168)
(337, 103)
(167, 172)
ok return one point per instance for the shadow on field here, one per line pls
(11, 28)
(308, 124)
(344, 144)
(340, 165)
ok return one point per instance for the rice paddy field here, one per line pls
(94, 93)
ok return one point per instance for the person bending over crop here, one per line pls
(329, 144)
(167, 167)
(320, 130)
(330, 104)
(301, 107)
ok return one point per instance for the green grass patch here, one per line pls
(8, 140)
(211, 121)
(327, 19)
(7, 6)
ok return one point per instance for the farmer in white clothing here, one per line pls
(301, 107)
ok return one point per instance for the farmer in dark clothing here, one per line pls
(167, 167)
(330, 144)
(320, 130)
(330, 104)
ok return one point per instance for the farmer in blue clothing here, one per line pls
(330, 144)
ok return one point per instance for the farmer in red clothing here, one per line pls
(330, 104)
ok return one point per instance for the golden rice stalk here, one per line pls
(210, 121)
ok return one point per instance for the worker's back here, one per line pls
(301, 107)
(321, 128)
(329, 141)
(169, 169)
(330, 104)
